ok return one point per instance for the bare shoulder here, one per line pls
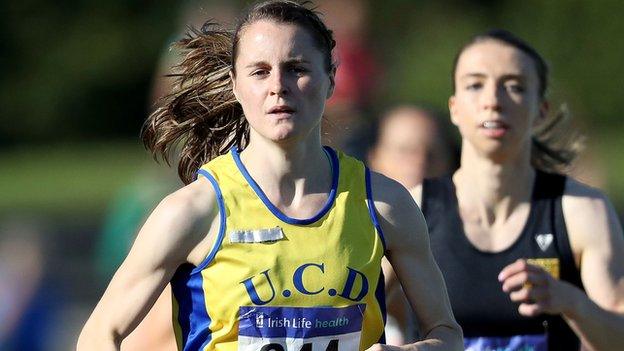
(182, 220)
(579, 192)
(193, 200)
(400, 217)
(392, 200)
(597, 242)
(589, 216)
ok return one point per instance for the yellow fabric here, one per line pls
(341, 242)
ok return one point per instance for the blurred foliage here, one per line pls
(78, 71)
(74, 179)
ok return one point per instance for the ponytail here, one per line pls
(200, 119)
(555, 144)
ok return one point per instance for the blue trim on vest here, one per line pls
(380, 295)
(183, 297)
(193, 317)
(371, 208)
(221, 204)
(333, 160)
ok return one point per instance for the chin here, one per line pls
(284, 135)
(499, 154)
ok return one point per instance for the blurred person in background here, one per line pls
(533, 259)
(410, 144)
(347, 119)
(249, 103)
(29, 302)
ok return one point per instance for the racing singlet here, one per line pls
(275, 283)
(489, 319)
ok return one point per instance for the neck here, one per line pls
(494, 186)
(285, 169)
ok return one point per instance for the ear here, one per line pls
(332, 82)
(232, 77)
(452, 110)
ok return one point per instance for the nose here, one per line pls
(278, 84)
(492, 97)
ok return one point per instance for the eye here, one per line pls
(261, 72)
(474, 86)
(515, 88)
(298, 70)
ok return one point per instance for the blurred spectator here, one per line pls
(411, 145)
(29, 301)
(358, 74)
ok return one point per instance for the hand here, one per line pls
(536, 290)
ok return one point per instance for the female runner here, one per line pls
(532, 259)
(277, 244)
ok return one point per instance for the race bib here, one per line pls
(535, 342)
(263, 328)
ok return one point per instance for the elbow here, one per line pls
(96, 337)
(457, 337)
(450, 334)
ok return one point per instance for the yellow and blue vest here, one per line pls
(272, 282)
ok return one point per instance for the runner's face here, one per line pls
(408, 147)
(281, 81)
(496, 99)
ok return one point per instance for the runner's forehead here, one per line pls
(492, 58)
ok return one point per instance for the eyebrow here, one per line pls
(287, 62)
(504, 77)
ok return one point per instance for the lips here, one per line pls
(494, 128)
(281, 109)
(494, 125)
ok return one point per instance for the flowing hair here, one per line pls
(200, 118)
(554, 143)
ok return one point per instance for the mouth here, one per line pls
(281, 110)
(494, 125)
(494, 129)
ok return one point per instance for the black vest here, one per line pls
(478, 301)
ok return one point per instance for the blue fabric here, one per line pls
(536, 342)
(371, 207)
(221, 234)
(193, 317)
(333, 159)
(299, 322)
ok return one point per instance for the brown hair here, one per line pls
(555, 144)
(201, 119)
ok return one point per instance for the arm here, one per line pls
(396, 302)
(155, 332)
(407, 246)
(173, 234)
(399, 324)
(598, 243)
